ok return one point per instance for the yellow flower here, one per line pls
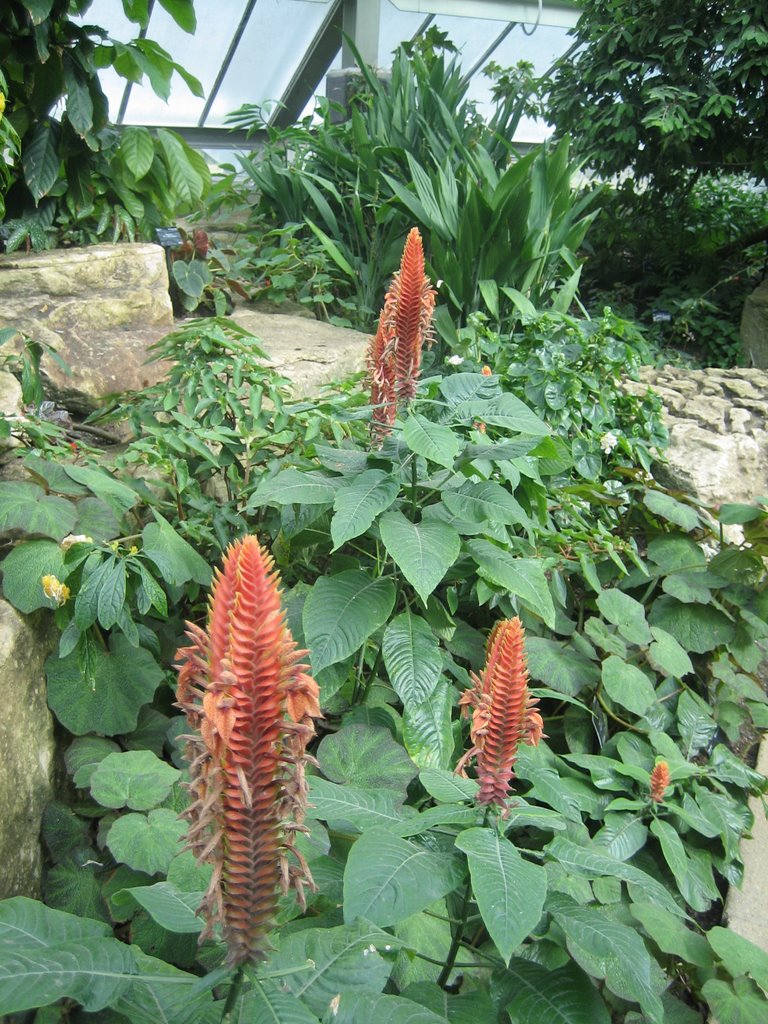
(2, 105)
(55, 590)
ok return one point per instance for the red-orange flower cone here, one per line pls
(660, 779)
(251, 705)
(504, 713)
(394, 356)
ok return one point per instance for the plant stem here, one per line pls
(413, 489)
(450, 960)
(234, 992)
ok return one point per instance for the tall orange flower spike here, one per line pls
(504, 713)
(251, 705)
(660, 779)
(394, 357)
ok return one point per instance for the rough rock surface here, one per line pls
(308, 352)
(98, 307)
(26, 748)
(754, 327)
(718, 424)
(745, 908)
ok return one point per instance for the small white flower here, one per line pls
(455, 360)
(608, 442)
(365, 952)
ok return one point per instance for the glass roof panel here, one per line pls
(395, 27)
(471, 36)
(273, 44)
(200, 54)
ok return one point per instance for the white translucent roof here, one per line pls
(251, 51)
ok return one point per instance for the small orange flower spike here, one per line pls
(251, 705)
(504, 713)
(660, 780)
(394, 356)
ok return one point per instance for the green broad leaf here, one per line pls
(96, 519)
(485, 502)
(47, 955)
(593, 863)
(387, 879)
(627, 614)
(434, 817)
(341, 612)
(695, 722)
(412, 658)
(73, 885)
(559, 665)
(39, 10)
(177, 560)
(363, 808)
(665, 655)
(671, 509)
(563, 996)
(137, 150)
(185, 180)
(365, 756)
(84, 755)
(26, 507)
(627, 685)
(740, 1003)
(424, 551)
(357, 505)
(697, 628)
(265, 1003)
(675, 552)
(23, 570)
(41, 160)
(433, 441)
(460, 389)
(607, 949)
(79, 100)
(162, 994)
(509, 891)
(147, 842)
(192, 278)
(337, 959)
(621, 836)
(672, 936)
(727, 767)
(166, 905)
(739, 955)
(294, 487)
(111, 595)
(427, 732)
(104, 485)
(447, 787)
(355, 1007)
(737, 513)
(473, 1007)
(509, 412)
(691, 587)
(108, 701)
(182, 12)
(523, 578)
(136, 779)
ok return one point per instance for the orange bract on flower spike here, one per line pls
(250, 704)
(660, 779)
(504, 713)
(394, 356)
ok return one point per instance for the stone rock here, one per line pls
(26, 747)
(754, 327)
(718, 428)
(10, 405)
(99, 308)
(308, 352)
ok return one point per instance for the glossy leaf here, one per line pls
(433, 441)
(509, 890)
(427, 732)
(341, 612)
(412, 658)
(357, 505)
(627, 685)
(563, 996)
(522, 577)
(424, 551)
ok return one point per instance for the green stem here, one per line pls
(413, 490)
(234, 992)
(450, 961)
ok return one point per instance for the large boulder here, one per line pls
(718, 429)
(99, 308)
(308, 352)
(26, 748)
(754, 327)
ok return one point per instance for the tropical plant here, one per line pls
(443, 568)
(77, 178)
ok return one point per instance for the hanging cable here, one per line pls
(536, 23)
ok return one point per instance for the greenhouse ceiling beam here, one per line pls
(312, 67)
(562, 13)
